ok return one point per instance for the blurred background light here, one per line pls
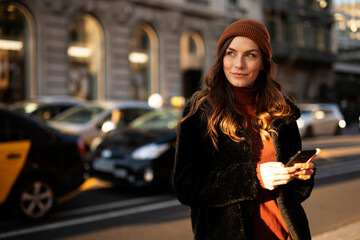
(137, 57)
(155, 100)
(74, 51)
(177, 101)
(10, 45)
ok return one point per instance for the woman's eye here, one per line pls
(250, 55)
(230, 53)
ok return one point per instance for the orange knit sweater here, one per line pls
(267, 220)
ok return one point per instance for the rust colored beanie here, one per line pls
(249, 28)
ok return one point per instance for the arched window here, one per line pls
(144, 62)
(86, 58)
(192, 52)
(17, 53)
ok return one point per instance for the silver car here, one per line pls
(94, 118)
(320, 119)
(43, 108)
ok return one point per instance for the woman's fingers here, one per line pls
(303, 177)
(308, 165)
(274, 174)
(304, 171)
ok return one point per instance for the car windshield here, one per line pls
(82, 114)
(159, 119)
(306, 112)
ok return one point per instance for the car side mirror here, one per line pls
(108, 126)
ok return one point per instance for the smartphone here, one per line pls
(303, 156)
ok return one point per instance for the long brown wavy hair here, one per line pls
(217, 101)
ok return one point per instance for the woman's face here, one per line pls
(242, 62)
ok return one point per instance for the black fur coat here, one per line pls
(219, 186)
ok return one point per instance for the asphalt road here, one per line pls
(334, 201)
(104, 212)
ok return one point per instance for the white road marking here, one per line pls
(107, 206)
(93, 218)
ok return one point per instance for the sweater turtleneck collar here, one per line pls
(245, 96)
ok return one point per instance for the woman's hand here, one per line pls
(274, 174)
(304, 170)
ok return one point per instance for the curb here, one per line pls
(348, 232)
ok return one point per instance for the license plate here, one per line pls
(104, 166)
(120, 173)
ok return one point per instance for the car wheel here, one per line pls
(309, 132)
(35, 198)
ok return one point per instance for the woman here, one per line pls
(233, 141)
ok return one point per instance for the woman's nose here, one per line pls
(239, 62)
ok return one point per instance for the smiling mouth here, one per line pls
(239, 74)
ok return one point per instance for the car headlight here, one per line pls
(342, 124)
(301, 123)
(150, 151)
(106, 153)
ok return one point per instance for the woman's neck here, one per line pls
(245, 96)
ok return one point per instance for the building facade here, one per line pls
(347, 65)
(130, 49)
(108, 49)
(301, 33)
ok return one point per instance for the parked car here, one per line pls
(91, 119)
(44, 108)
(141, 154)
(320, 119)
(38, 165)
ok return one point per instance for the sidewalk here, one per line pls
(348, 232)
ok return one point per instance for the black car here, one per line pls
(141, 154)
(38, 165)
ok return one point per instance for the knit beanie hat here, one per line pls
(249, 28)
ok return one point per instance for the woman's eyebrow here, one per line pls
(250, 50)
(231, 49)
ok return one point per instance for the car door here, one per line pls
(13, 154)
(330, 121)
(12, 159)
(324, 121)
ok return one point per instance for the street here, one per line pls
(102, 211)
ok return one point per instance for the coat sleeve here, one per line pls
(292, 141)
(200, 179)
(301, 188)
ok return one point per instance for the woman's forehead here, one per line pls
(243, 43)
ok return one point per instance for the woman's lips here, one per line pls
(239, 75)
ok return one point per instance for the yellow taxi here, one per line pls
(38, 165)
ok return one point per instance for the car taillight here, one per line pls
(81, 147)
